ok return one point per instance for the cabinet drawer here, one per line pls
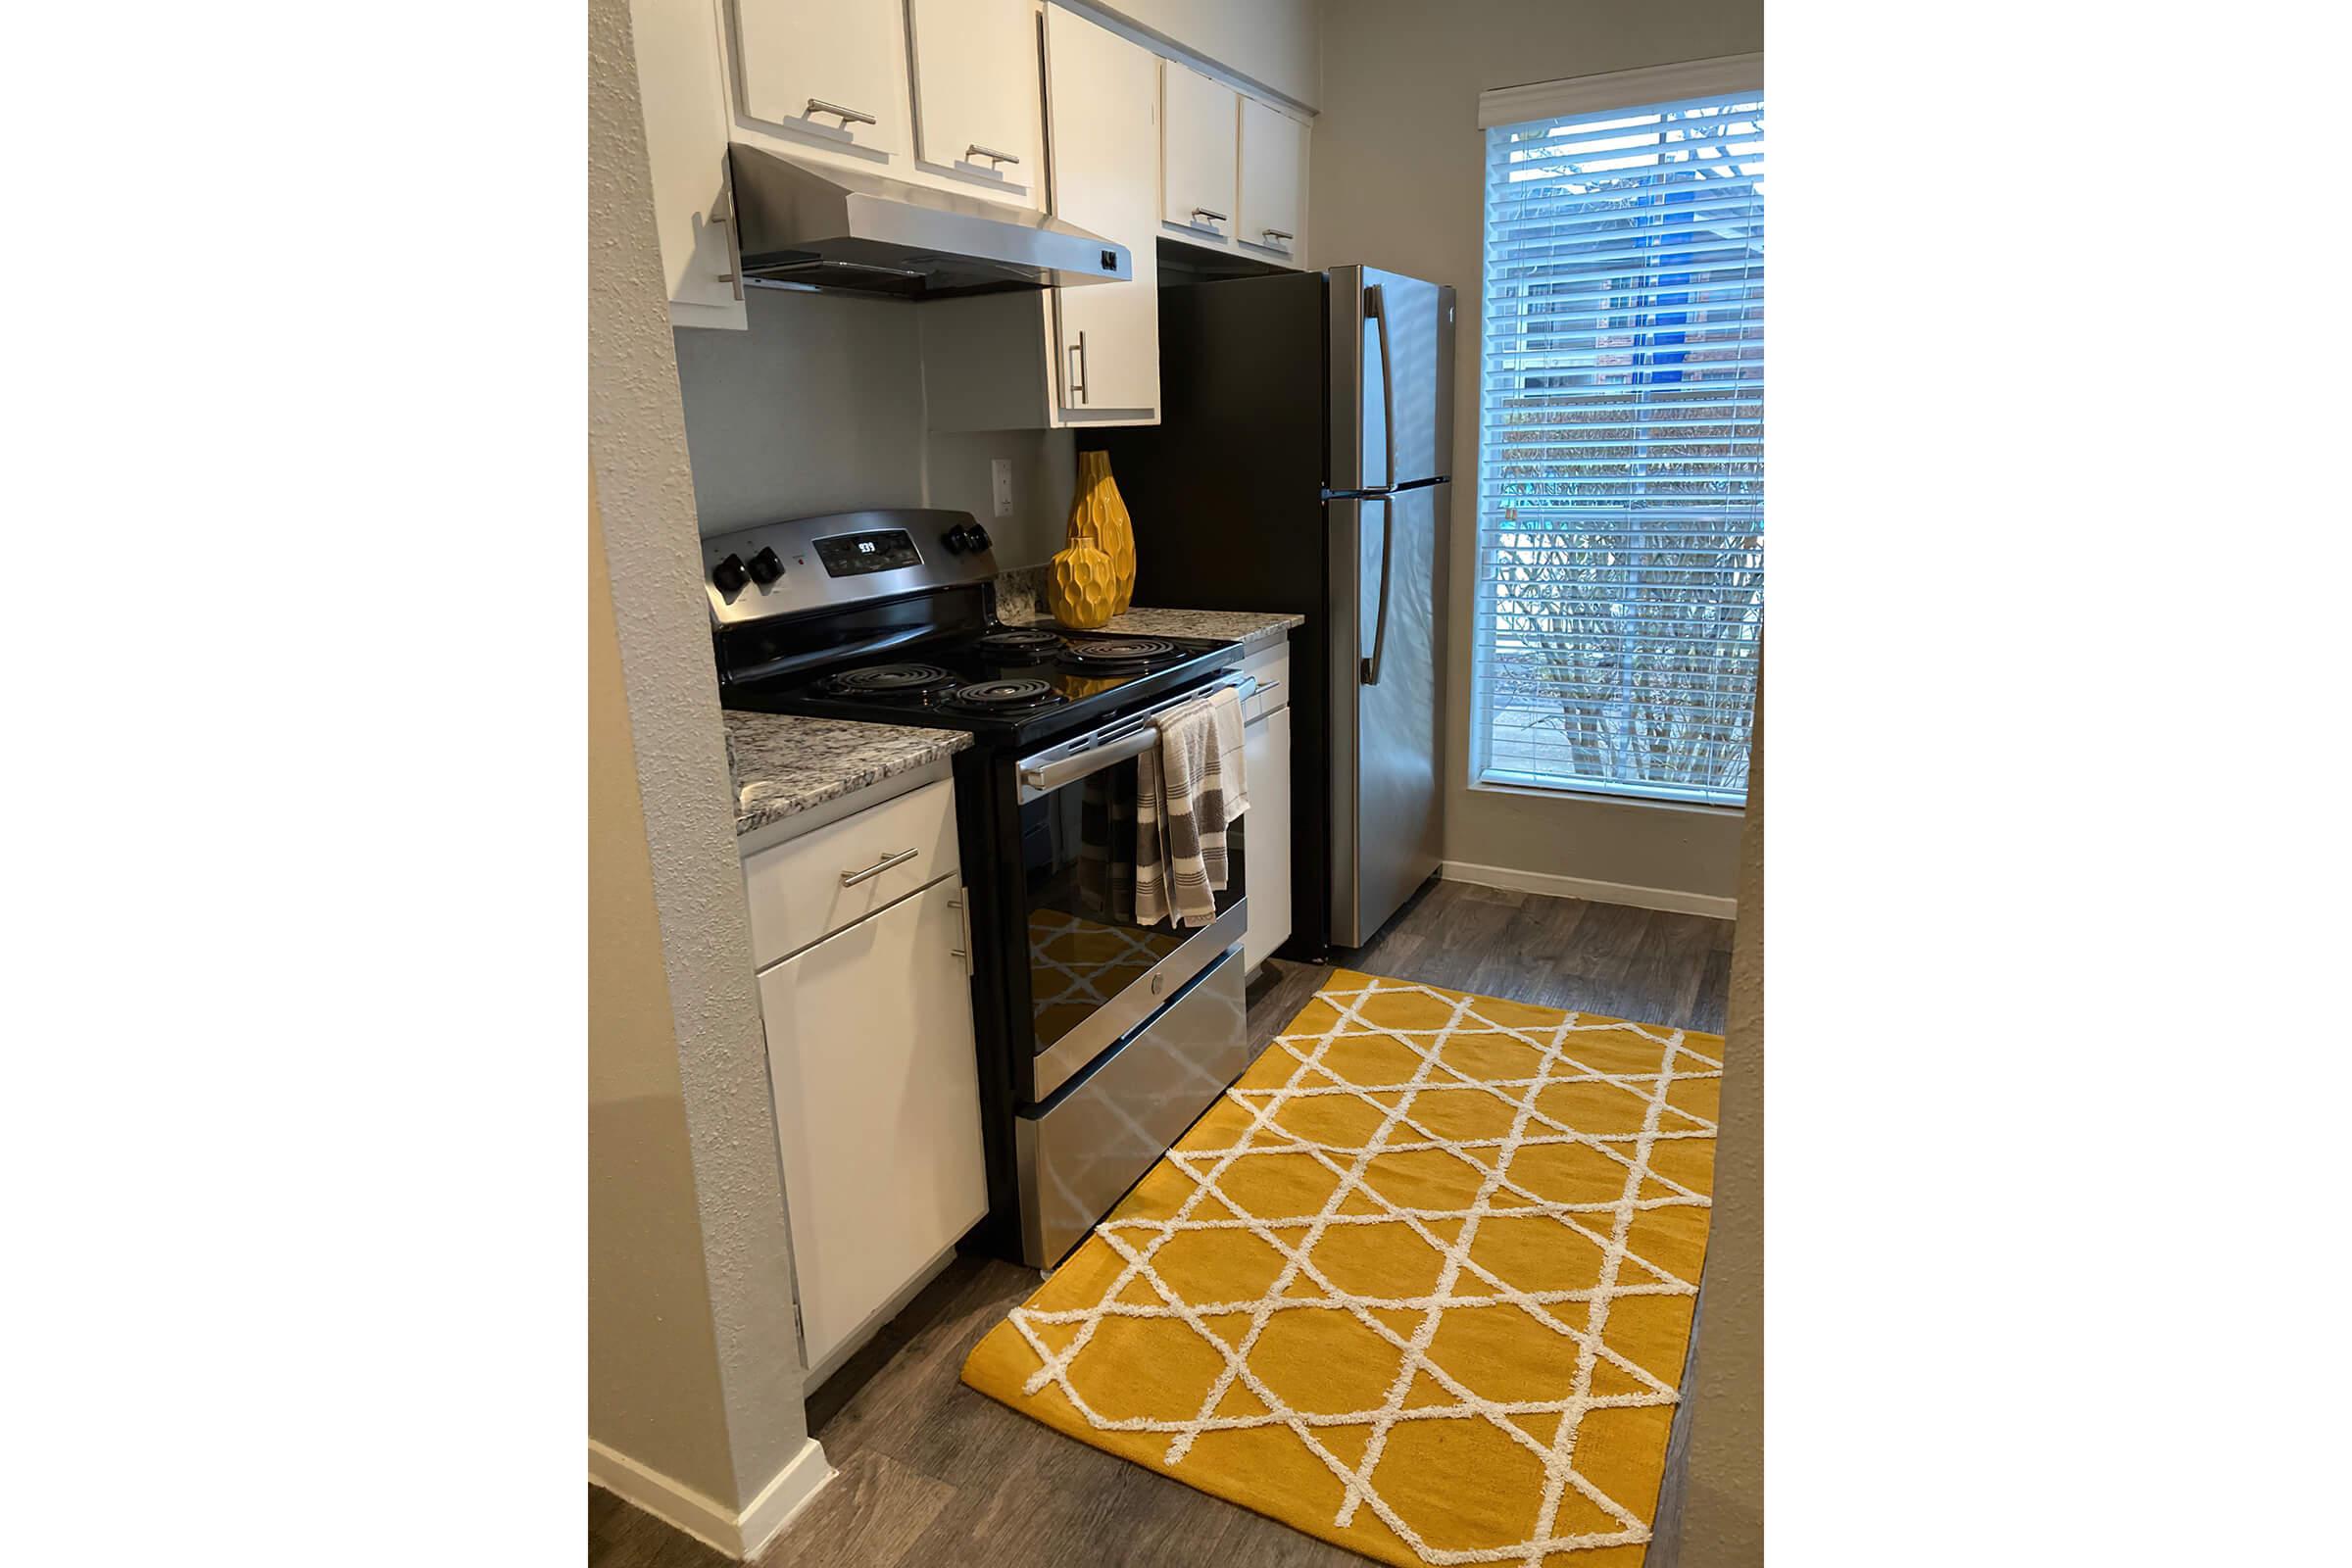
(1271, 666)
(797, 891)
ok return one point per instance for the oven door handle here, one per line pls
(1053, 775)
(1139, 734)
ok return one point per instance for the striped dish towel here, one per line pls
(1187, 790)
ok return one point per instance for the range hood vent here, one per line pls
(805, 226)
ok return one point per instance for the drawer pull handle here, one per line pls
(850, 880)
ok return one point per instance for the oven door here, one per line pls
(1095, 973)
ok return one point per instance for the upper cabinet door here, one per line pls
(685, 102)
(1099, 93)
(1197, 151)
(976, 93)
(1273, 158)
(833, 70)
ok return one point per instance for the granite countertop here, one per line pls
(785, 763)
(1017, 605)
(1251, 628)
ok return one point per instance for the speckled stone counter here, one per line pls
(1019, 605)
(784, 763)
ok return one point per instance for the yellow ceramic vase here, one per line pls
(1099, 512)
(1094, 578)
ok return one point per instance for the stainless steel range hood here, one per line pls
(803, 225)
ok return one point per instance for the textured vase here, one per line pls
(1097, 513)
(1081, 586)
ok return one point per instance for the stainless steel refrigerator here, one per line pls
(1303, 462)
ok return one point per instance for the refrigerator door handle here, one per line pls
(1377, 309)
(1370, 672)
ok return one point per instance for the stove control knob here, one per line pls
(767, 566)
(976, 538)
(958, 539)
(728, 576)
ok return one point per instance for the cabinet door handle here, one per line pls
(975, 150)
(850, 880)
(1277, 233)
(849, 117)
(726, 221)
(1078, 370)
(964, 931)
(1213, 218)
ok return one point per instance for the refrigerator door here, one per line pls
(1392, 363)
(1386, 734)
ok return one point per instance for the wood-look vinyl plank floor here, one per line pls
(932, 1473)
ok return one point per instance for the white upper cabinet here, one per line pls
(976, 93)
(1100, 90)
(1196, 152)
(833, 70)
(679, 82)
(1272, 215)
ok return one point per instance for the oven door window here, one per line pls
(1078, 866)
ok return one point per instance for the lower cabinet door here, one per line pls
(870, 1045)
(1266, 850)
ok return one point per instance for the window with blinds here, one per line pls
(1620, 582)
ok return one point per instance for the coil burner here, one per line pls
(999, 696)
(891, 680)
(1032, 640)
(1098, 653)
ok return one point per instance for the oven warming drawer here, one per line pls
(1081, 1151)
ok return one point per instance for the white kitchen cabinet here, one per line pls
(1266, 849)
(1200, 121)
(1273, 213)
(679, 74)
(1099, 104)
(877, 1096)
(1266, 774)
(1090, 354)
(976, 93)
(832, 71)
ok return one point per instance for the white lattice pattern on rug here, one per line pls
(1462, 1281)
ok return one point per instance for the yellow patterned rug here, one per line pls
(1419, 1284)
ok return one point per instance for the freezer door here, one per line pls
(1392, 363)
(1386, 727)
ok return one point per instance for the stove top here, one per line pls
(991, 679)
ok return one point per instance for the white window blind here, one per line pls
(1620, 581)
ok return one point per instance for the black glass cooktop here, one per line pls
(998, 680)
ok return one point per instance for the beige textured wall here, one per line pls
(1722, 1514)
(1399, 182)
(637, 457)
(653, 1363)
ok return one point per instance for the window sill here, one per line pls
(1643, 802)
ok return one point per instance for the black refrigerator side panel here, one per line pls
(1226, 495)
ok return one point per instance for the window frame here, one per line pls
(1658, 89)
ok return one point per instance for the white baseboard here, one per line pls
(1578, 887)
(741, 1535)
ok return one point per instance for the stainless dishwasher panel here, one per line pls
(1081, 1151)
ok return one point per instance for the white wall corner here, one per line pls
(1672, 900)
(742, 1535)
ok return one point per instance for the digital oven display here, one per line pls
(852, 555)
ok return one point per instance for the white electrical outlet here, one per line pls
(1000, 474)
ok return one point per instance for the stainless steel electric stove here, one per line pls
(1100, 1038)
